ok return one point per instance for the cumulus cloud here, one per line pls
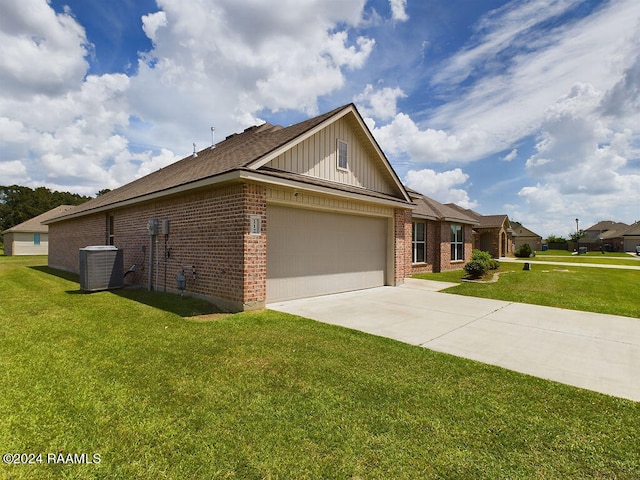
(441, 186)
(380, 104)
(403, 136)
(398, 10)
(213, 63)
(584, 161)
(42, 51)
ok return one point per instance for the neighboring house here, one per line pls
(631, 237)
(441, 236)
(31, 237)
(269, 214)
(605, 235)
(493, 233)
(522, 235)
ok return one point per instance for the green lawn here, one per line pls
(591, 289)
(158, 394)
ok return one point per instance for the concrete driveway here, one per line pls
(593, 351)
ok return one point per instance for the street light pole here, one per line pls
(577, 237)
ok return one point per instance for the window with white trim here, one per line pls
(457, 243)
(342, 155)
(419, 242)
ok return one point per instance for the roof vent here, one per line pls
(194, 151)
(213, 144)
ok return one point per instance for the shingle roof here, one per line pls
(484, 221)
(235, 152)
(520, 230)
(633, 230)
(430, 208)
(605, 225)
(35, 224)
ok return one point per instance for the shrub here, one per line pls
(480, 263)
(524, 250)
(476, 268)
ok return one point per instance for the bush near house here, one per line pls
(525, 251)
(480, 263)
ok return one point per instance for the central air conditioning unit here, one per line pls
(101, 268)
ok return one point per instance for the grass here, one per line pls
(591, 289)
(162, 395)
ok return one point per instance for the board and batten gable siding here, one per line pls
(317, 157)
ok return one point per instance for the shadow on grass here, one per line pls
(168, 302)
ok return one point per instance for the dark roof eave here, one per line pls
(239, 174)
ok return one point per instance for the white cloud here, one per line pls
(12, 172)
(512, 155)
(535, 67)
(213, 63)
(402, 135)
(583, 161)
(398, 10)
(41, 50)
(380, 104)
(440, 186)
(500, 30)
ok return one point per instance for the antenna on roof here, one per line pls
(194, 151)
(213, 145)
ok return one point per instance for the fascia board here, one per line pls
(205, 182)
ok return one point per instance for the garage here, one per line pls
(313, 252)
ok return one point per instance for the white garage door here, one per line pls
(311, 252)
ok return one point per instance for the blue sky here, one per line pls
(529, 107)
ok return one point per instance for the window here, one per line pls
(110, 231)
(36, 239)
(457, 243)
(342, 155)
(418, 240)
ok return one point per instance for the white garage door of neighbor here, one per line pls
(312, 252)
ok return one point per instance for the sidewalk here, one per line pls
(534, 262)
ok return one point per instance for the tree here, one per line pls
(18, 204)
(555, 239)
(574, 237)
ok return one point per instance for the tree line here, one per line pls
(18, 204)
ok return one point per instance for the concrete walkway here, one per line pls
(533, 262)
(588, 350)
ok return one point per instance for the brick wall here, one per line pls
(209, 231)
(255, 247)
(68, 237)
(402, 245)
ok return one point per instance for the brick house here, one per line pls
(269, 214)
(441, 236)
(493, 233)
